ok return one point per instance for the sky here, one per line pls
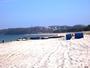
(28, 13)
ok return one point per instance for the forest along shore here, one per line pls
(49, 53)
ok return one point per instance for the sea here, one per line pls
(8, 38)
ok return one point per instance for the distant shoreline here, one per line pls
(27, 37)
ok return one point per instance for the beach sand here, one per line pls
(49, 53)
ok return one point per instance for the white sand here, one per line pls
(51, 53)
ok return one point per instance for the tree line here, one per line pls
(49, 29)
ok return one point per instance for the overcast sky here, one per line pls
(27, 13)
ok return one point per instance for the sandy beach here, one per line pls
(48, 53)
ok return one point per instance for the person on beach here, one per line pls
(2, 41)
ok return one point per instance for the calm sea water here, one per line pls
(8, 38)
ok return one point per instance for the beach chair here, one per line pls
(68, 36)
(79, 35)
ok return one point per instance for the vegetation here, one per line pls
(49, 29)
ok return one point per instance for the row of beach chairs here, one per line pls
(69, 36)
(76, 35)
